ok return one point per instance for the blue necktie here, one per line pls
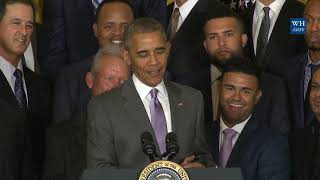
(158, 120)
(19, 90)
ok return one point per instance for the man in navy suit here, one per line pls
(238, 139)
(71, 93)
(67, 31)
(224, 39)
(305, 142)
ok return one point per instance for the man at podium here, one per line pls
(146, 103)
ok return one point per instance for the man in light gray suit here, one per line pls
(146, 103)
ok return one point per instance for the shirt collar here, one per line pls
(310, 62)
(238, 127)
(275, 6)
(144, 90)
(186, 8)
(9, 68)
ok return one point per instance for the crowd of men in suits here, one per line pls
(237, 89)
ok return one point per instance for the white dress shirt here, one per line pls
(144, 93)
(238, 128)
(28, 56)
(275, 8)
(184, 10)
(8, 70)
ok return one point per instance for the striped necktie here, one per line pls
(96, 3)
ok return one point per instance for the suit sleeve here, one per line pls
(62, 105)
(53, 50)
(274, 162)
(100, 138)
(201, 150)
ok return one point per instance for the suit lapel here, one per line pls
(6, 92)
(176, 107)
(135, 108)
(213, 138)
(240, 147)
(30, 85)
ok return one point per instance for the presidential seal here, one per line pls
(163, 170)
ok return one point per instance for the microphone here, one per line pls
(148, 146)
(172, 147)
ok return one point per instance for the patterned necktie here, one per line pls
(226, 147)
(96, 3)
(262, 40)
(19, 90)
(158, 120)
(173, 26)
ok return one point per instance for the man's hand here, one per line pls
(189, 162)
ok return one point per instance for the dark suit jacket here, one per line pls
(15, 157)
(188, 62)
(38, 113)
(71, 94)
(68, 35)
(282, 45)
(293, 73)
(305, 152)
(273, 106)
(66, 149)
(260, 152)
(118, 118)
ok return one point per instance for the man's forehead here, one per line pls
(15, 12)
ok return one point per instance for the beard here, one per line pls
(220, 62)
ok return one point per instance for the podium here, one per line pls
(194, 174)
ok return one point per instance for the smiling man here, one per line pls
(146, 103)
(239, 139)
(20, 88)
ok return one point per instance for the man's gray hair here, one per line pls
(143, 25)
(109, 50)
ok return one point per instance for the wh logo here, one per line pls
(297, 25)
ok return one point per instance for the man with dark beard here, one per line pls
(297, 71)
(224, 40)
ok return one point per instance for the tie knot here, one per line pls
(154, 93)
(266, 11)
(18, 74)
(229, 133)
(176, 12)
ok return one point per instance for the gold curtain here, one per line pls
(169, 1)
(38, 6)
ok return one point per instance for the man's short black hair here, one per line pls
(5, 3)
(220, 10)
(243, 65)
(104, 2)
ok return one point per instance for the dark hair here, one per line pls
(242, 65)
(105, 2)
(222, 11)
(5, 3)
(143, 25)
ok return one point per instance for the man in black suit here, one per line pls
(15, 157)
(188, 62)
(71, 93)
(225, 39)
(19, 86)
(270, 40)
(238, 138)
(67, 31)
(305, 142)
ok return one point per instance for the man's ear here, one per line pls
(258, 95)
(89, 80)
(244, 39)
(125, 56)
(95, 29)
